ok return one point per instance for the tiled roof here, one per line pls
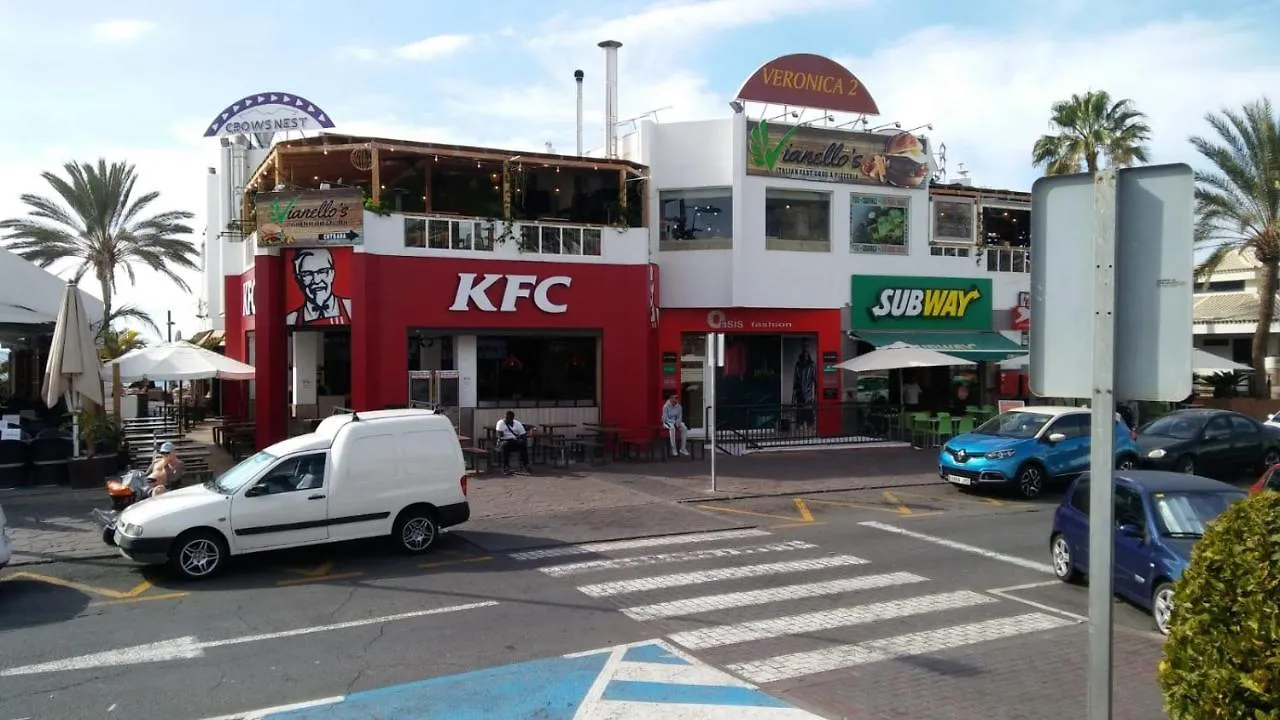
(1237, 260)
(1228, 307)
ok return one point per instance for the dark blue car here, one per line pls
(1159, 517)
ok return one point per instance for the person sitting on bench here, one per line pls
(512, 438)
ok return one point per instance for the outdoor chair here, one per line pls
(50, 457)
(14, 471)
(964, 425)
(943, 431)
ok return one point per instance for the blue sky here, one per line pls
(139, 80)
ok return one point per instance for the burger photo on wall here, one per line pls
(907, 164)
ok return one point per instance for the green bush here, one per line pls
(1222, 657)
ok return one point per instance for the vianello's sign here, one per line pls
(495, 292)
(920, 303)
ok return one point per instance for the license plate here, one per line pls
(959, 480)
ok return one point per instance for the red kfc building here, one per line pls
(425, 297)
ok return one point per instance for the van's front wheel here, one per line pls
(415, 531)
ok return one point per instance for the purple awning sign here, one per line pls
(268, 112)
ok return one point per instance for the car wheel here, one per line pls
(1162, 606)
(415, 531)
(1186, 464)
(1030, 481)
(198, 554)
(1063, 565)
(1126, 462)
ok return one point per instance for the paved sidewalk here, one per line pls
(58, 525)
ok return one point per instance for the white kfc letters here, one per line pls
(473, 292)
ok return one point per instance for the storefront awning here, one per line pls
(977, 346)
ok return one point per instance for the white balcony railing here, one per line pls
(472, 234)
(1003, 259)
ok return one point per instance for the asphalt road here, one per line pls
(866, 605)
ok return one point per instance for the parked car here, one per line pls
(1029, 447)
(1273, 419)
(1204, 440)
(1159, 516)
(1269, 480)
(393, 473)
(5, 546)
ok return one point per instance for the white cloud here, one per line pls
(434, 47)
(119, 31)
(356, 52)
(988, 94)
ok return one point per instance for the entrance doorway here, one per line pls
(433, 374)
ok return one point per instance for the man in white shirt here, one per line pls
(673, 421)
(512, 438)
(911, 393)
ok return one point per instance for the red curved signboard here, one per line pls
(808, 81)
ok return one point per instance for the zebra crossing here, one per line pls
(770, 610)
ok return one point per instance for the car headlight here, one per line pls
(1001, 454)
(1156, 454)
(131, 530)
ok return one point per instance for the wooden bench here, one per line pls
(473, 457)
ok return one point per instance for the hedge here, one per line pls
(1222, 656)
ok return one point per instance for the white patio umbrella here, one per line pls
(1206, 363)
(73, 368)
(175, 361)
(898, 356)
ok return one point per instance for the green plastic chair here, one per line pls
(942, 432)
(964, 425)
(919, 426)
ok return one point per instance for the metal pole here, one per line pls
(1102, 448)
(714, 354)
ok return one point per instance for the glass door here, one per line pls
(693, 361)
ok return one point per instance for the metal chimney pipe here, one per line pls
(577, 78)
(611, 97)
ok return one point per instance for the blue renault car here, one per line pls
(1159, 516)
(1028, 448)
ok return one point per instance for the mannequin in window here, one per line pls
(804, 379)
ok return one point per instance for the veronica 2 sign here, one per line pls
(473, 292)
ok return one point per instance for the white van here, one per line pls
(395, 473)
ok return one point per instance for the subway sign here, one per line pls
(890, 302)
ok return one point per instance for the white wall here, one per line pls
(211, 278)
(224, 257)
(712, 153)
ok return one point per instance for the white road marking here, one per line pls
(800, 664)
(722, 635)
(612, 545)
(618, 710)
(697, 577)
(586, 709)
(187, 648)
(267, 712)
(671, 674)
(685, 556)
(712, 603)
(1007, 594)
(944, 542)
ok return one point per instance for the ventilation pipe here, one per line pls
(577, 78)
(611, 97)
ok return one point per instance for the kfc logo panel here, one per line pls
(320, 293)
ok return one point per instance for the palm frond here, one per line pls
(1087, 130)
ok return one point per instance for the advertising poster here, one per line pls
(319, 293)
(879, 224)
(800, 376)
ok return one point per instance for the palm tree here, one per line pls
(118, 342)
(98, 224)
(1089, 128)
(1238, 207)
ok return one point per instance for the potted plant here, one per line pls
(99, 445)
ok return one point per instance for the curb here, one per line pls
(784, 493)
(13, 563)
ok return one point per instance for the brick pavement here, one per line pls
(57, 525)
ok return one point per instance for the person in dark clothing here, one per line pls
(512, 438)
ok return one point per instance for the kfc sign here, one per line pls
(1022, 312)
(477, 291)
(246, 298)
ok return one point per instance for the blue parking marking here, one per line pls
(641, 681)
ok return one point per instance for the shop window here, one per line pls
(879, 224)
(1006, 226)
(952, 222)
(535, 371)
(949, 251)
(539, 238)
(443, 234)
(699, 219)
(797, 220)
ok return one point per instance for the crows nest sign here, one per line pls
(474, 292)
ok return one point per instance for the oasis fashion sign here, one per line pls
(474, 292)
(920, 303)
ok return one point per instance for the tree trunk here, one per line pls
(105, 282)
(1268, 277)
